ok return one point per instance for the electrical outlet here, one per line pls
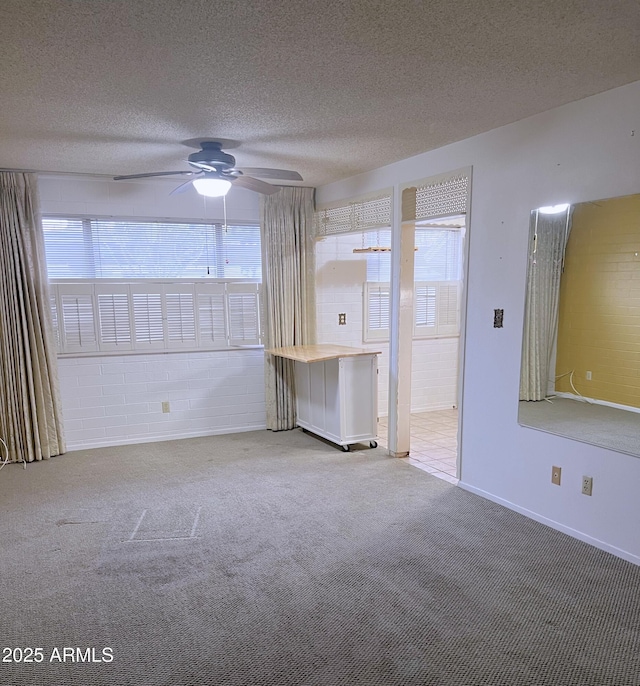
(342, 318)
(166, 407)
(556, 473)
(498, 318)
(587, 485)
(588, 376)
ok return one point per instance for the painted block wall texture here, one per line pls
(113, 400)
(599, 310)
(118, 400)
(340, 275)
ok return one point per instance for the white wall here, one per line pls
(340, 276)
(112, 400)
(584, 150)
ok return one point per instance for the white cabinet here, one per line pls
(336, 392)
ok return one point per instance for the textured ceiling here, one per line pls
(327, 88)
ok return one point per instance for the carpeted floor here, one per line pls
(608, 427)
(275, 559)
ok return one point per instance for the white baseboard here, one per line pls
(574, 533)
(134, 440)
(430, 408)
(606, 403)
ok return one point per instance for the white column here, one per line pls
(400, 331)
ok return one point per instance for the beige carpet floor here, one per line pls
(277, 559)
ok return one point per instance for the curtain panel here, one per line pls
(547, 243)
(30, 407)
(289, 285)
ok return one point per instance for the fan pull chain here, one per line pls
(224, 211)
(206, 242)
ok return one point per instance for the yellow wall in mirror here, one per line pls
(599, 309)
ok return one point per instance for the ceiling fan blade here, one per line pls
(263, 173)
(145, 176)
(252, 184)
(183, 186)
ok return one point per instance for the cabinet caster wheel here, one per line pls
(373, 444)
(346, 448)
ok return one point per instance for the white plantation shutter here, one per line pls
(212, 325)
(377, 304)
(114, 317)
(78, 318)
(449, 307)
(425, 299)
(243, 314)
(148, 316)
(181, 315)
(151, 315)
(436, 309)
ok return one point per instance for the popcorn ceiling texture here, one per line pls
(329, 89)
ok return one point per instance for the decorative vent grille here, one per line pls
(358, 215)
(441, 196)
(441, 199)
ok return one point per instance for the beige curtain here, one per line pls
(30, 412)
(289, 278)
(548, 236)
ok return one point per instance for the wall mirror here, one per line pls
(580, 374)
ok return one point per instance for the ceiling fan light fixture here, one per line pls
(212, 188)
(215, 172)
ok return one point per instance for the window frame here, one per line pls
(444, 311)
(99, 311)
(442, 328)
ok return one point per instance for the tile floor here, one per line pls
(434, 442)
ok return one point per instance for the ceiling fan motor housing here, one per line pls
(211, 155)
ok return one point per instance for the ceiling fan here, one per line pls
(215, 171)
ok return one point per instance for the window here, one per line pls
(437, 284)
(131, 286)
(437, 255)
(84, 248)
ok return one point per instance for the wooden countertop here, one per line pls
(320, 352)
